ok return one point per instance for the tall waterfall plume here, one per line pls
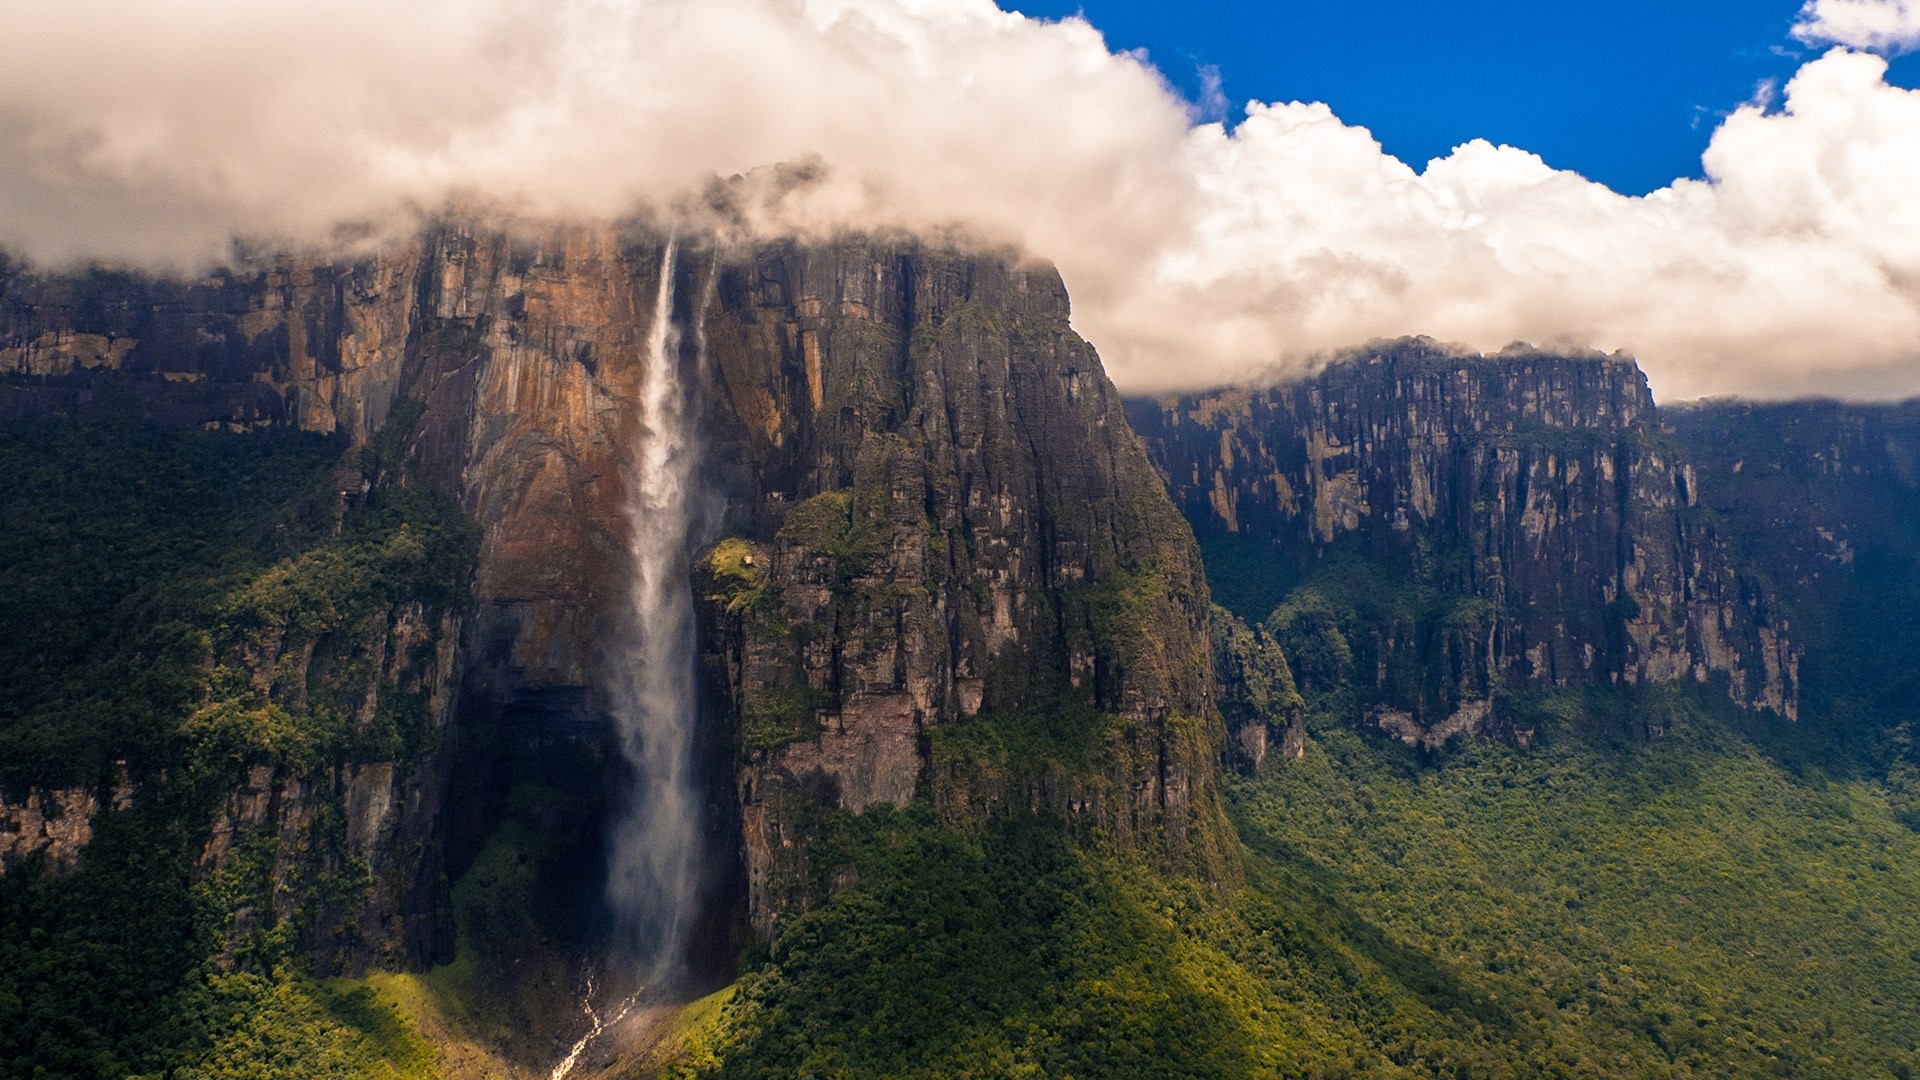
(654, 863)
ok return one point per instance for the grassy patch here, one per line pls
(738, 577)
(281, 1026)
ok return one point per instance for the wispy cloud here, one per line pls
(153, 131)
(1212, 105)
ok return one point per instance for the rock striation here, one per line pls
(936, 515)
(941, 526)
(1502, 523)
(1822, 501)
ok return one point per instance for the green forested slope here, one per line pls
(117, 543)
(1588, 907)
(1686, 906)
(138, 566)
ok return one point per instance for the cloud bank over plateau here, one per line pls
(152, 132)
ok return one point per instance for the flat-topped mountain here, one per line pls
(911, 463)
(1479, 525)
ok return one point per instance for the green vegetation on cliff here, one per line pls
(117, 546)
(1007, 952)
(193, 604)
(1070, 741)
(1596, 906)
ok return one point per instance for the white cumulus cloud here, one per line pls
(152, 132)
(1794, 268)
(1877, 25)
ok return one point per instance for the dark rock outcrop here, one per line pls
(294, 343)
(1508, 522)
(55, 821)
(1822, 501)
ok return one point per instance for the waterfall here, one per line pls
(653, 866)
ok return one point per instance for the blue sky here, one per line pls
(1626, 92)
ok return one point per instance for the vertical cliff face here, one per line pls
(279, 344)
(346, 850)
(1503, 523)
(936, 519)
(942, 531)
(314, 346)
(1822, 499)
(929, 489)
(1259, 701)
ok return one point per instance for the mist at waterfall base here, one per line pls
(654, 871)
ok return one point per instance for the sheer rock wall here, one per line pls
(1536, 494)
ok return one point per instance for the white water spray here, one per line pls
(654, 876)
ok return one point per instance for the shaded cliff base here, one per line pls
(530, 950)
